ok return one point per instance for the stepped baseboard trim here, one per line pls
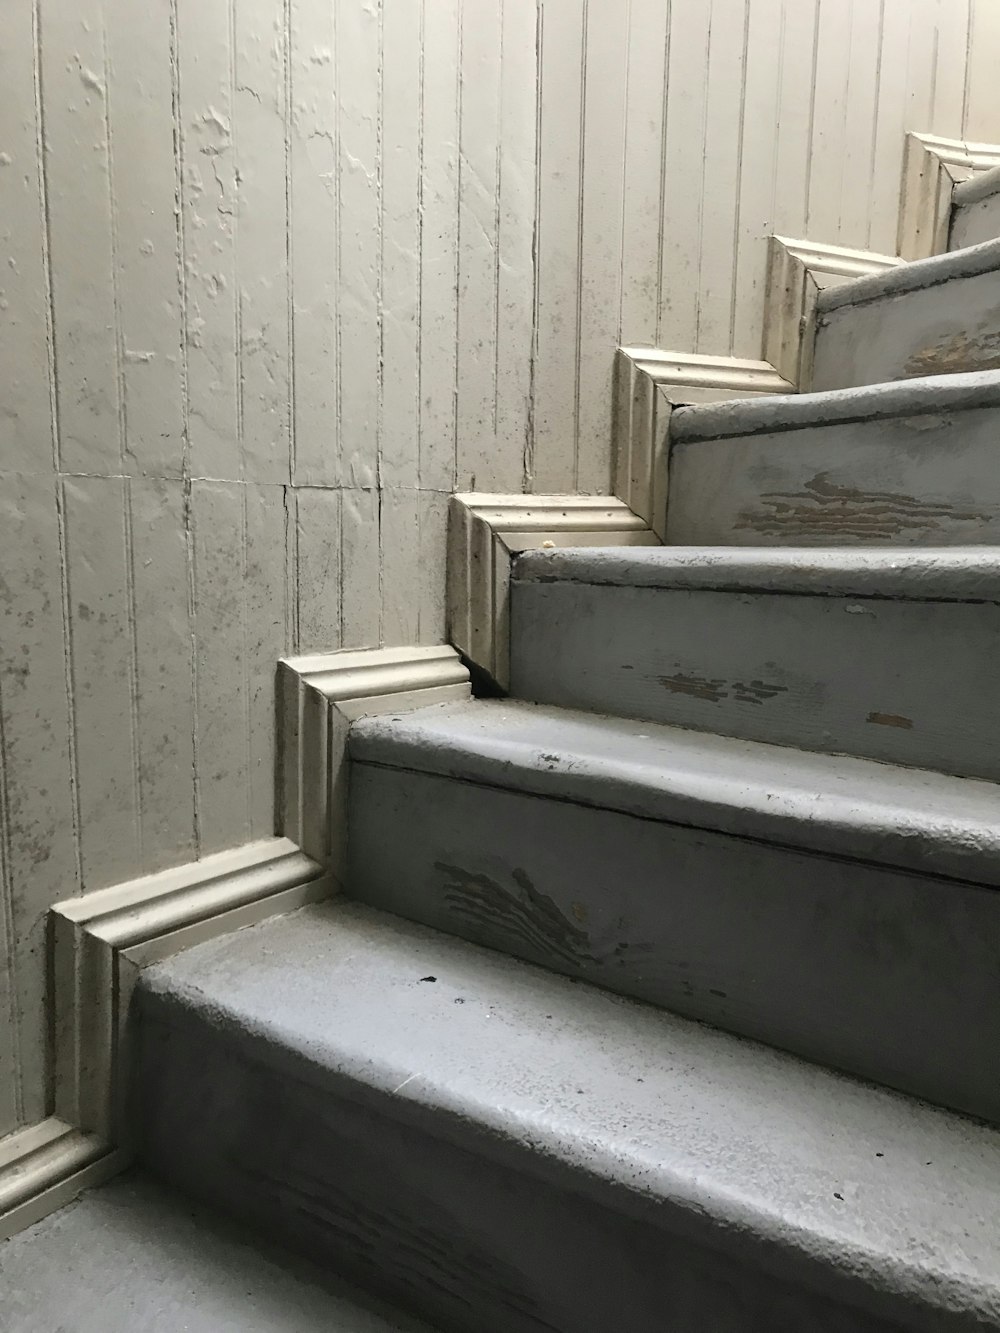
(45, 1167)
(797, 272)
(99, 944)
(932, 168)
(649, 384)
(319, 696)
(485, 535)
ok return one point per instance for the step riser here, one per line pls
(974, 223)
(469, 1242)
(940, 330)
(838, 961)
(905, 682)
(922, 480)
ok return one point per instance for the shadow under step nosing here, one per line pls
(935, 316)
(885, 654)
(839, 908)
(496, 1148)
(906, 464)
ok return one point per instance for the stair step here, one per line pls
(836, 907)
(135, 1256)
(935, 316)
(877, 652)
(507, 1151)
(913, 463)
(975, 207)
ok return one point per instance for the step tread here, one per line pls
(948, 573)
(135, 1255)
(837, 804)
(919, 274)
(728, 1140)
(770, 413)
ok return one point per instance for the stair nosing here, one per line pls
(773, 414)
(822, 814)
(918, 275)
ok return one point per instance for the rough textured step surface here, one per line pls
(932, 317)
(513, 1152)
(976, 210)
(881, 653)
(133, 1257)
(914, 463)
(835, 907)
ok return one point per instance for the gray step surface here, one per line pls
(932, 317)
(975, 207)
(836, 907)
(517, 1153)
(912, 463)
(135, 1257)
(877, 652)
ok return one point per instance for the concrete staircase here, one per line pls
(668, 996)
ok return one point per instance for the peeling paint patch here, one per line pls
(824, 508)
(714, 691)
(956, 354)
(891, 720)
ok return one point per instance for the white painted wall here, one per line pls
(288, 272)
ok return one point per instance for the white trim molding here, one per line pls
(932, 167)
(486, 533)
(99, 943)
(319, 697)
(649, 384)
(797, 272)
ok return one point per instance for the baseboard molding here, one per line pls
(797, 272)
(649, 384)
(319, 697)
(485, 535)
(932, 168)
(47, 1166)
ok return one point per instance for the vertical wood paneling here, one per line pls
(438, 240)
(265, 617)
(319, 583)
(982, 87)
(140, 117)
(208, 208)
(360, 568)
(219, 524)
(601, 226)
(260, 41)
(563, 55)
(25, 415)
(478, 201)
(103, 682)
(358, 62)
(400, 570)
(74, 80)
(314, 241)
(37, 819)
(165, 688)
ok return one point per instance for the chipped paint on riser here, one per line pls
(927, 480)
(823, 673)
(835, 960)
(943, 329)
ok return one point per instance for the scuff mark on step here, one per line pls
(891, 720)
(824, 508)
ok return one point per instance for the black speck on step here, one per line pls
(428, 978)
(838, 1196)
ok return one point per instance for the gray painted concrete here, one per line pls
(133, 1257)
(514, 1152)
(936, 316)
(689, 871)
(913, 463)
(975, 210)
(809, 648)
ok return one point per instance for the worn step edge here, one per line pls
(679, 1091)
(947, 573)
(929, 394)
(920, 274)
(857, 809)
